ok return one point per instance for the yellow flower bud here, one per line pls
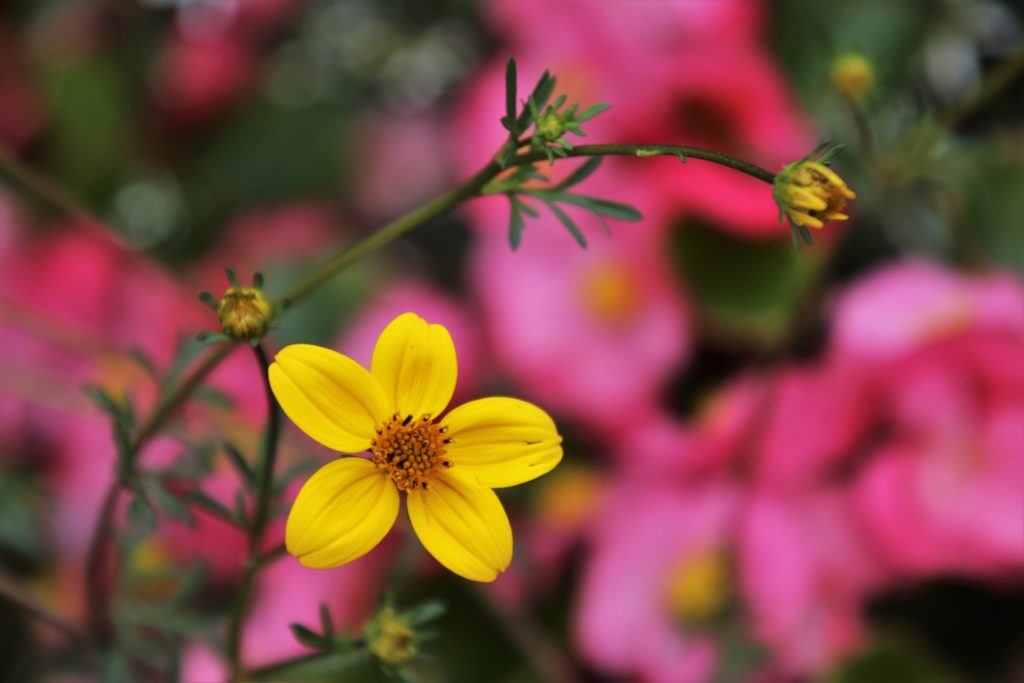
(811, 194)
(852, 76)
(391, 640)
(244, 313)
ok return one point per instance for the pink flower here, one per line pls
(195, 80)
(575, 327)
(804, 574)
(657, 569)
(902, 306)
(943, 495)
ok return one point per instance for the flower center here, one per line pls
(610, 294)
(698, 586)
(410, 450)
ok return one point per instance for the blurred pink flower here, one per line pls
(195, 80)
(658, 561)
(401, 162)
(424, 299)
(593, 334)
(901, 306)
(805, 572)
(943, 495)
(651, 27)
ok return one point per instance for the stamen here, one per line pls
(410, 451)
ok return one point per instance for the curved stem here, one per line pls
(264, 489)
(643, 151)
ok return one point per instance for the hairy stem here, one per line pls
(264, 488)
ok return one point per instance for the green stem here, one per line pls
(643, 151)
(264, 488)
(97, 583)
(285, 665)
(392, 231)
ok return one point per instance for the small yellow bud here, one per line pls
(698, 586)
(391, 640)
(811, 194)
(244, 313)
(852, 76)
(550, 126)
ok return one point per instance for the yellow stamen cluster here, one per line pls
(811, 194)
(245, 313)
(698, 587)
(409, 450)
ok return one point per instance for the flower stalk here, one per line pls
(264, 488)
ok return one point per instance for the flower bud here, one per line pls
(245, 314)
(390, 638)
(852, 76)
(811, 194)
(550, 126)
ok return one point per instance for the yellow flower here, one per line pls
(811, 194)
(446, 467)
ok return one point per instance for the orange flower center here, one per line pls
(410, 450)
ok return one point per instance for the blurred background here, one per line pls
(781, 465)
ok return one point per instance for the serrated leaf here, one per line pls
(568, 223)
(592, 111)
(240, 464)
(515, 224)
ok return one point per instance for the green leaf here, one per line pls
(107, 403)
(141, 513)
(240, 464)
(145, 362)
(510, 90)
(171, 504)
(568, 223)
(308, 637)
(421, 614)
(210, 300)
(326, 624)
(233, 277)
(582, 172)
(592, 111)
(603, 207)
(215, 398)
(515, 224)
(211, 505)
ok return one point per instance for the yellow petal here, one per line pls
(329, 396)
(502, 441)
(463, 525)
(341, 513)
(801, 218)
(415, 364)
